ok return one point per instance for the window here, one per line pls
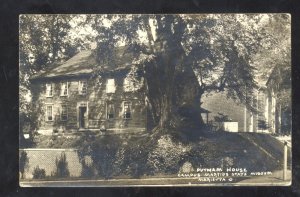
(64, 89)
(49, 90)
(127, 110)
(64, 112)
(49, 112)
(110, 86)
(110, 111)
(82, 87)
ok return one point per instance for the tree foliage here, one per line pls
(177, 58)
(43, 41)
(38, 173)
(61, 164)
(184, 56)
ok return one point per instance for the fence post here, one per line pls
(285, 161)
(245, 119)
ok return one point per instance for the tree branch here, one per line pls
(149, 35)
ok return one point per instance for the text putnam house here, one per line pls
(73, 97)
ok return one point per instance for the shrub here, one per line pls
(28, 125)
(23, 162)
(227, 162)
(87, 169)
(61, 164)
(114, 155)
(103, 152)
(119, 162)
(134, 156)
(168, 155)
(39, 173)
(219, 119)
(103, 159)
(262, 124)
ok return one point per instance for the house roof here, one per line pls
(79, 64)
(84, 63)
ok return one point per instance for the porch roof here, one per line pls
(202, 110)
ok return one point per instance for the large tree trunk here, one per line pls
(173, 92)
(160, 86)
(172, 87)
(188, 99)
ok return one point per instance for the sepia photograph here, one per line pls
(134, 100)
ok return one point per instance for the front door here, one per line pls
(82, 117)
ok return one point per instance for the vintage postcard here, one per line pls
(155, 100)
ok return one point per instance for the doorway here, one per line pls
(82, 116)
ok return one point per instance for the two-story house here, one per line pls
(72, 97)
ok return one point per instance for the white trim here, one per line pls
(61, 91)
(80, 87)
(47, 95)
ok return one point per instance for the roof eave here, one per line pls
(46, 78)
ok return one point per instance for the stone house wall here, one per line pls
(96, 101)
